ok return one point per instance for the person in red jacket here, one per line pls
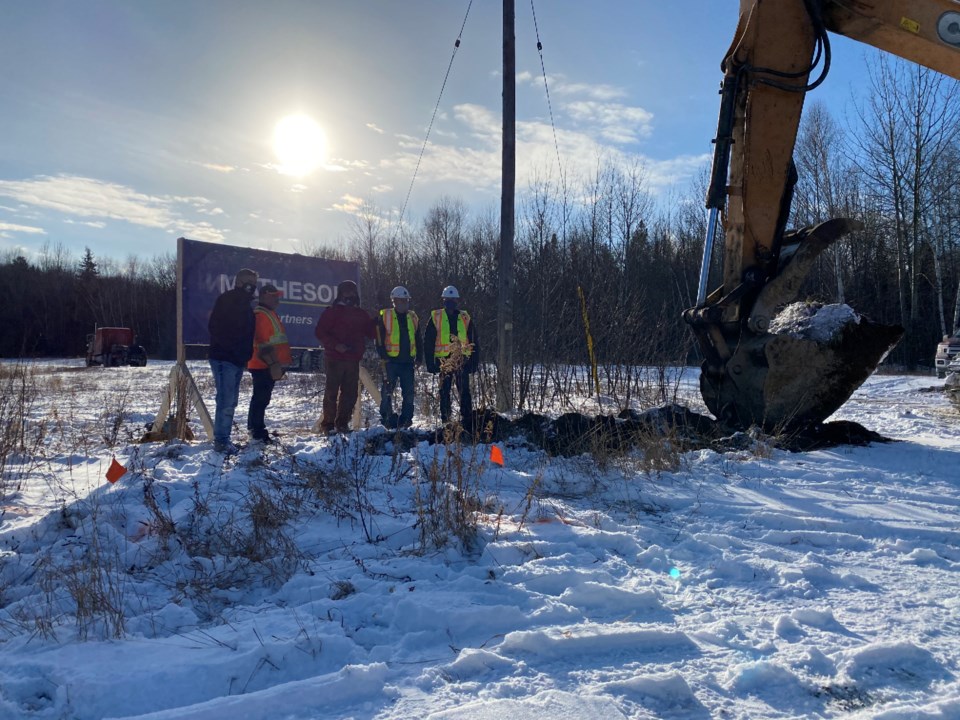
(342, 330)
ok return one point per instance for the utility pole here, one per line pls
(508, 182)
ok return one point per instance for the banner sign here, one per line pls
(309, 285)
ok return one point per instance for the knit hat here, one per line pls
(345, 286)
(245, 277)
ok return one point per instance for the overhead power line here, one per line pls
(426, 139)
(546, 88)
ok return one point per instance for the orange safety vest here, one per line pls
(269, 331)
(442, 323)
(391, 342)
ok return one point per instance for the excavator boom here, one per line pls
(750, 374)
(926, 32)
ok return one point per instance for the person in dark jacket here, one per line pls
(451, 349)
(399, 347)
(342, 330)
(231, 329)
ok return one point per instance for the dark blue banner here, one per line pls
(309, 285)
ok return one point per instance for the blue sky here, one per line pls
(128, 124)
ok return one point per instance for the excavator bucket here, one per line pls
(782, 382)
(788, 370)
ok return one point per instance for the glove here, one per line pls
(276, 371)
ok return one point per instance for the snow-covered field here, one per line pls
(315, 580)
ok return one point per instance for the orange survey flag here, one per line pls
(496, 456)
(116, 471)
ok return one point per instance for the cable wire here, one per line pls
(426, 139)
(546, 88)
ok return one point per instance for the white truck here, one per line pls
(948, 352)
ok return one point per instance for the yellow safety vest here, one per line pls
(442, 323)
(391, 342)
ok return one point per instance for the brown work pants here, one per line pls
(340, 393)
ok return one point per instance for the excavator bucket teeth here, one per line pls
(782, 382)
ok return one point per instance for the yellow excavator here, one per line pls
(753, 374)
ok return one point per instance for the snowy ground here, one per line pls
(313, 580)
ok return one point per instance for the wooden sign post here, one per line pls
(181, 385)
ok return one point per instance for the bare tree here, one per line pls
(910, 120)
(443, 236)
(818, 195)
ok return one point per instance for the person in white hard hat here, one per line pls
(452, 350)
(398, 342)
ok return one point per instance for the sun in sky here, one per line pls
(299, 144)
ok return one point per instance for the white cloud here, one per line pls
(373, 126)
(593, 106)
(350, 204)
(482, 122)
(559, 87)
(11, 227)
(98, 224)
(226, 169)
(83, 197)
(197, 201)
(202, 231)
(599, 93)
(616, 123)
(86, 197)
(666, 173)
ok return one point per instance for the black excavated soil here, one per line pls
(574, 434)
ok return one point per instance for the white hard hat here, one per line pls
(450, 292)
(400, 293)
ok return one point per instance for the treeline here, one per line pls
(600, 250)
(56, 300)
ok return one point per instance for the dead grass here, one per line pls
(447, 498)
(22, 434)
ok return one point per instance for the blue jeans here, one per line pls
(226, 376)
(392, 373)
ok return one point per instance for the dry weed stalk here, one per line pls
(21, 436)
(446, 493)
(114, 415)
